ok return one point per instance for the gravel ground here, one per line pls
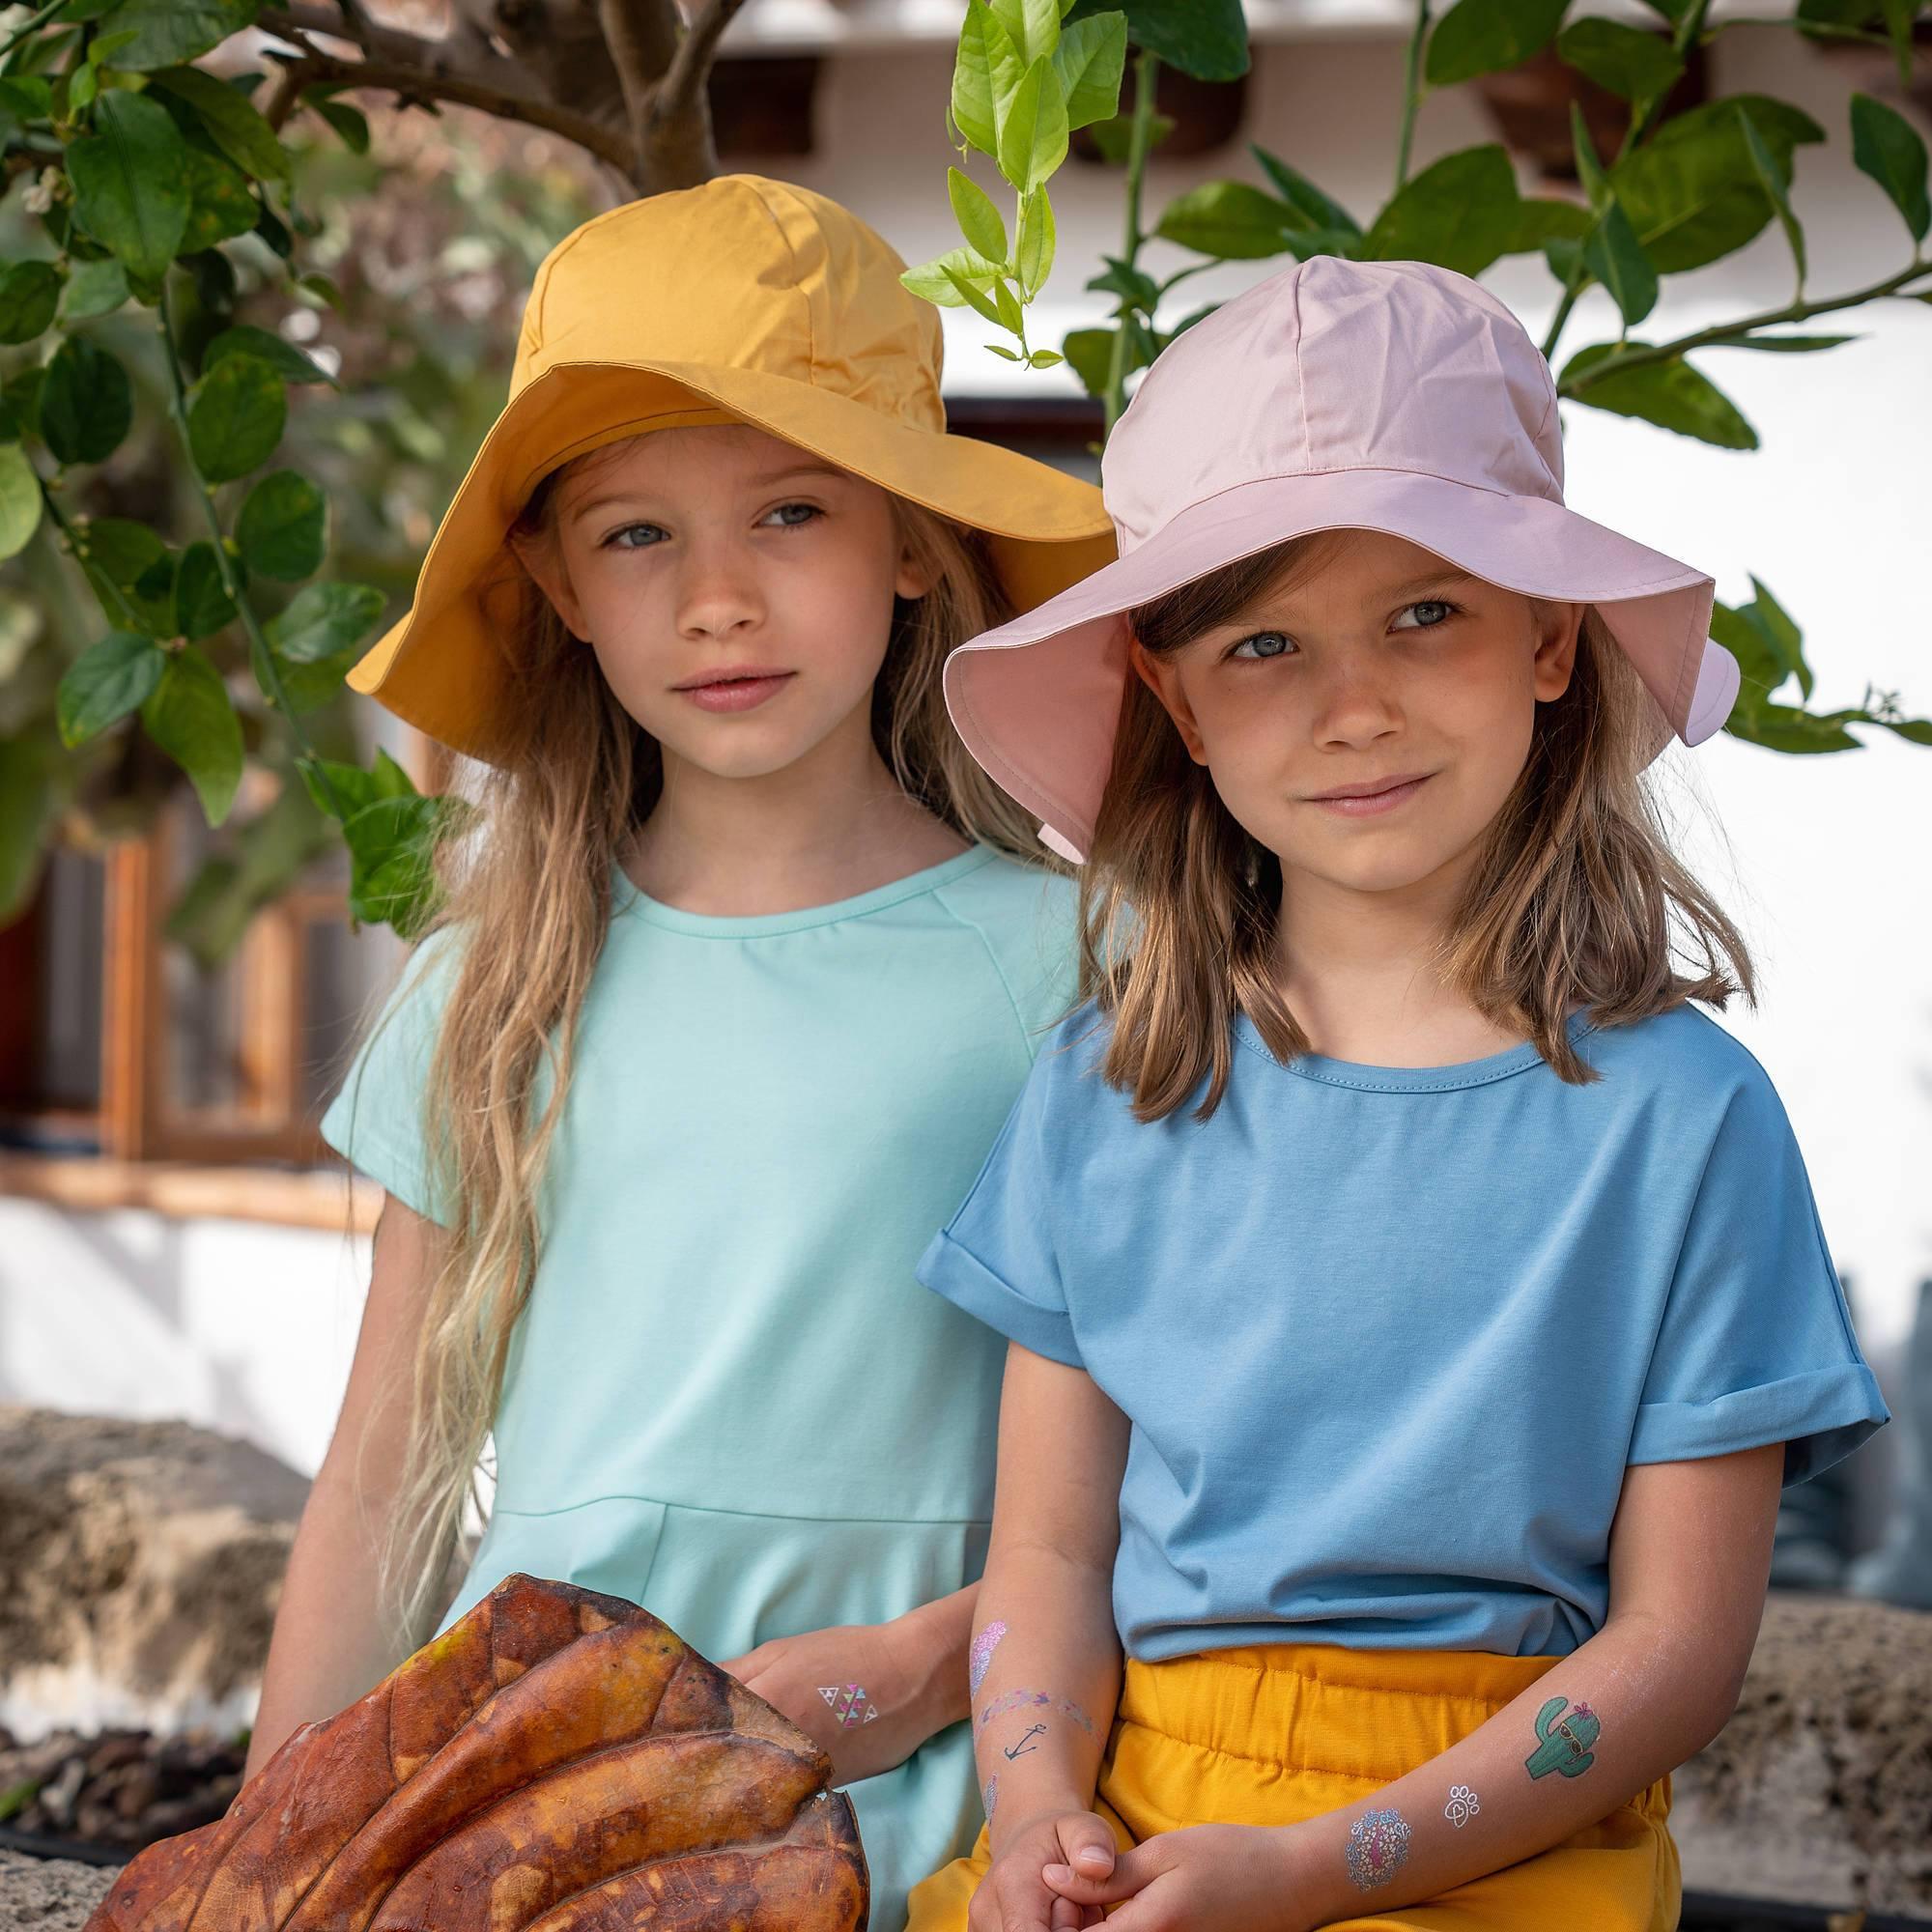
(49, 1894)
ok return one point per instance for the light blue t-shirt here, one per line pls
(728, 1399)
(1387, 1338)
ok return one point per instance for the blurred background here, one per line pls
(178, 1248)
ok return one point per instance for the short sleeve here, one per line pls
(1755, 1344)
(375, 1120)
(995, 1259)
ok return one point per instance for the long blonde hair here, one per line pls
(529, 892)
(1575, 896)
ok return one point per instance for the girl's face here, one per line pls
(736, 589)
(1366, 724)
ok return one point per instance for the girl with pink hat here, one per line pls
(1414, 1302)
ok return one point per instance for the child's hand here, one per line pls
(1232, 1878)
(1015, 1897)
(862, 1667)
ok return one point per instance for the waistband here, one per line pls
(1367, 1714)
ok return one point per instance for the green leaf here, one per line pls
(977, 218)
(20, 404)
(325, 619)
(979, 303)
(1590, 175)
(1539, 223)
(1044, 358)
(353, 788)
(1207, 38)
(1771, 617)
(1614, 255)
(1671, 394)
(202, 603)
(1229, 220)
(1772, 179)
(1691, 191)
(235, 418)
(104, 683)
(86, 403)
(1460, 214)
(1915, 730)
(1089, 61)
(168, 31)
(392, 843)
(132, 181)
(1887, 147)
(28, 295)
(233, 123)
(1487, 35)
(19, 499)
(1139, 290)
(94, 287)
(1782, 728)
(1088, 354)
(131, 572)
(26, 804)
(1630, 63)
(985, 76)
(1034, 255)
(1009, 305)
(1312, 208)
(350, 122)
(283, 529)
(1796, 345)
(221, 205)
(1761, 665)
(1113, 138)
(936, 280)
(1033, 141)
(190, 717)
(1032, 25)
(283, 357)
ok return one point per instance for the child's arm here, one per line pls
(1690, 1555)
(1046, 1661)
(331, 1644)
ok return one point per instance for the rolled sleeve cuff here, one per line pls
(1820, 1416)
(963, 1279)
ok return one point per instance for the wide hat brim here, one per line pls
(442, 666)
(1038, 699)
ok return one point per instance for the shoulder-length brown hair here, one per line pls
(1575, 900)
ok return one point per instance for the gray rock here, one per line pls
(1819, 1790)
(140, 1565)
(49, 1894)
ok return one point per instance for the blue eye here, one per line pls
(1262, 644)
(810, 510)
(617, 539)
(1435, 604)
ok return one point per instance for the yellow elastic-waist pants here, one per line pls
(1276, 1733)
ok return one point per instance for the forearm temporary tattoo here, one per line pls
(1461, 1805)
(1377, 1848)
(1029, 1742)
(980, 1659)
(1567, 1742)
(849, 1703)
(1038, 1700)
(991, 1795)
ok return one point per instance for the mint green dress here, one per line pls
(728, 1399)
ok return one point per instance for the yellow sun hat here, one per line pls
(742, 300)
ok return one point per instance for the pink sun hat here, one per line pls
(1391, 396)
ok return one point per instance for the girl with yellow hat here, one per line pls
(731, 990)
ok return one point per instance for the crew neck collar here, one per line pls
(1366, 1078)
(628, 900)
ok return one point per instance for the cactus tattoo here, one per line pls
(1377, 1848)
(1566, 1742)
(980, 1659)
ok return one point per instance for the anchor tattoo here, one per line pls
(1026, 1744)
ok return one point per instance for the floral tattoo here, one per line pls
(1377, 1848)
